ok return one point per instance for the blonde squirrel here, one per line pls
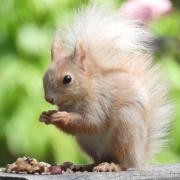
(109, 94)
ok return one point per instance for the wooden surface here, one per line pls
(153, 172)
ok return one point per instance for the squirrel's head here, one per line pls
(67, 79)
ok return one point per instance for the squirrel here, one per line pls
(108, 91)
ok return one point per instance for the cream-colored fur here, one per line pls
(117, 101)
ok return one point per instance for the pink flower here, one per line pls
(145, 9)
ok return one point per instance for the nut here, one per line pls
(55, 170)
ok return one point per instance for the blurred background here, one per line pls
(26, 31)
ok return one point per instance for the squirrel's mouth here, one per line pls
(61, 105)
(64, 105)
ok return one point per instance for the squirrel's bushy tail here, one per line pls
(160, 111)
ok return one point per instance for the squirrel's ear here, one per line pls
(79, 53)
(57, 47)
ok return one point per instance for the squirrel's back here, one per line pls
(118, 42)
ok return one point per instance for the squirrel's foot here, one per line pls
(108, 167)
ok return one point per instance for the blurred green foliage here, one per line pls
(26, 30)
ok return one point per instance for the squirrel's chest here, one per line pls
(96, 145)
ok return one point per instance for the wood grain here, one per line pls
(158, 172)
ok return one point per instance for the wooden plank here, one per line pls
(158, 172)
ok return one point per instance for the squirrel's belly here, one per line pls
(96, 145)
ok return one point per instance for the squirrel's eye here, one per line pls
(67, 79)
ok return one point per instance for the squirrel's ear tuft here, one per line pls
(79, 53)
(57, 47)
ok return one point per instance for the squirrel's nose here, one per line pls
(49, 99)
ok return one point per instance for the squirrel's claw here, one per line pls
(45, 116)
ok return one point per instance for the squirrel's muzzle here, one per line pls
(49, 99)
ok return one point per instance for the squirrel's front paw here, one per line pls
(45, 116)
(55, 117)
(60, 117)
